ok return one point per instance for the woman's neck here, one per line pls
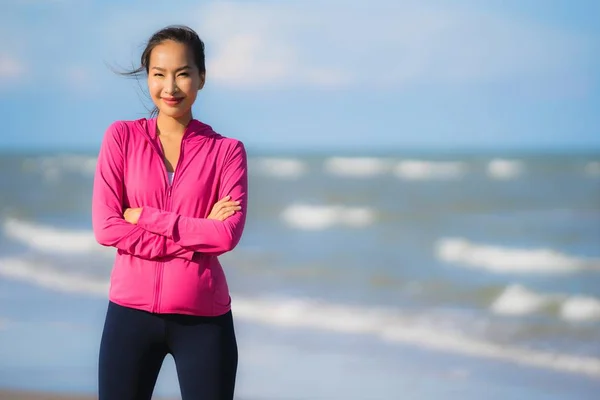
(172, 126)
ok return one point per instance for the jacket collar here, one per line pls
(194, 129)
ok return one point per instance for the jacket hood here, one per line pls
(195, 129)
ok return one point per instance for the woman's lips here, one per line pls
(172, 101)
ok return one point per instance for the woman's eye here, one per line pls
(184, 74)
(158, 74)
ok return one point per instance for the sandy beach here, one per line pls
(25, 395)
(20, 395)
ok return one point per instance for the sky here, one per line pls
(328, 75)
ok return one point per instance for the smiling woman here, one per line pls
(170, 195)
(173, 60)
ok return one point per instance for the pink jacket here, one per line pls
(168, 263)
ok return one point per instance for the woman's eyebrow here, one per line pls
(178, 69)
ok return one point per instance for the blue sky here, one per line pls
(326, 75)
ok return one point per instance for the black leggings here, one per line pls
(135, 343)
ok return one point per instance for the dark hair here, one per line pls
(177, 33)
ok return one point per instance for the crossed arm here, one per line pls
(160, 233)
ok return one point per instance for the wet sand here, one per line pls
(23, 395)
(19, 395)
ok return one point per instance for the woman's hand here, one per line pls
(224, 209)
(132, 215)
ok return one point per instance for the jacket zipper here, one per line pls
(168, 205)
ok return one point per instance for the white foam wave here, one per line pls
(53, 167)
(592, 168)
(425, 170)
(386, 323)
(280, 167)
(504, 169)
(518, 300)
(509, 260)
(51, 239)
(389, 325)
(360, 167)
(580, 308)
(311, 217)
(46, 276)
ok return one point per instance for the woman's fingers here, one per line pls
(231, 209)
(224, 208)
(227, 212)
(224, 216)
(226, 205)
(223, 200)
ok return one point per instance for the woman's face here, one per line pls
(173, 79)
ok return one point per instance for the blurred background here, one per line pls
(424, 214)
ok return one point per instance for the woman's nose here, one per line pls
(171, 87)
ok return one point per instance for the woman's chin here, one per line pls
(174, 112)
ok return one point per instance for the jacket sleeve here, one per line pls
(109, 226)
(201, 234)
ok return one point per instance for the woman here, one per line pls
(171, 195)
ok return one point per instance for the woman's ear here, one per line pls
(202, 80)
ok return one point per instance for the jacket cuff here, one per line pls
(157, 221)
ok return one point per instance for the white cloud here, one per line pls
(247, 60)
(11, 68)
(36, 2)
(79, 78)
(257, 44)
(264, 45)
(244, 57)
(4, 323)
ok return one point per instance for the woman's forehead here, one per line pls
(171, 54)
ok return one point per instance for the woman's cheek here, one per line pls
(154, 89)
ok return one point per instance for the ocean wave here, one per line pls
(52, 167)
(592, 168)
(391, 325)
(46, 276)
(312, 217)
(504, 169)
(580, 308)
(518, 300)
(428, 170)
(51, 239)
(359, 167)
(282, 168)
(388, 324)
(498, 259)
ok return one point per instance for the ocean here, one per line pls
(392, 276)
